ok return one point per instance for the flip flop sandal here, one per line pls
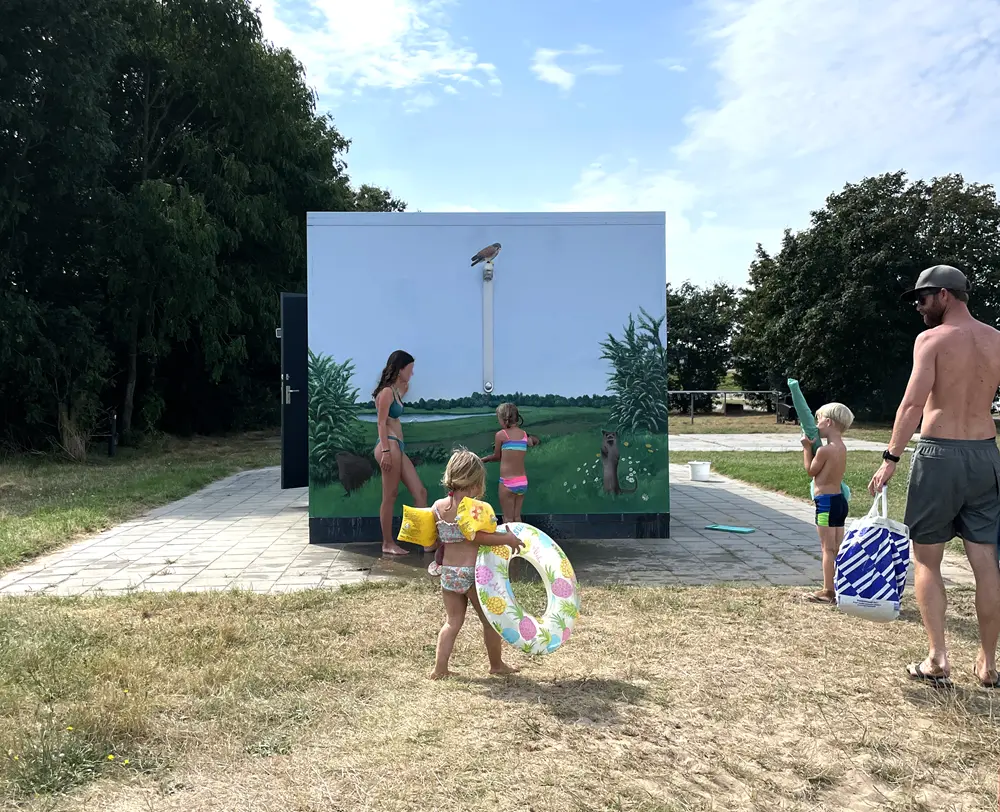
(915, 671)
(987, 685)
(813, 598)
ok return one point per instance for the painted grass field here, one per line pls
(564, 471)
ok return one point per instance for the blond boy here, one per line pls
(827, 467)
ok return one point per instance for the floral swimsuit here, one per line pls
(454, 579)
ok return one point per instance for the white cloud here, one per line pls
(813, 94)
(490, 70)
(450, 89)
(418, 102)
(544, 66)
(603, 70)
(688, 243)
(672, 65)
(847, 89)
(393, 44)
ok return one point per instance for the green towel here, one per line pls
(808, 424)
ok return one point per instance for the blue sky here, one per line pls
(735, 117)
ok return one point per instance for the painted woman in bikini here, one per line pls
(510, 445)
(390, 452)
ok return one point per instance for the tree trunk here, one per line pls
(133, 366)
(73, 441)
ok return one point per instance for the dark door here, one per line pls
(294, 391)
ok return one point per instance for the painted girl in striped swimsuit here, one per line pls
(511, 444)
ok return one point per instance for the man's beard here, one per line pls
(932, 318)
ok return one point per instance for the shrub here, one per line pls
(333, 416)
(638, 381)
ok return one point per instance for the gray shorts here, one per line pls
(954, 490)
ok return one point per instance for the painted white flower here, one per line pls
(645, 498)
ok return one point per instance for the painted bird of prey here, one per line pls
(487, 254)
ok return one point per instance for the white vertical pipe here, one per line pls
(488, 383)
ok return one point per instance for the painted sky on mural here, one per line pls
(558, 291)
(736, 117)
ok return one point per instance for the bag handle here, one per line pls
(880, 507)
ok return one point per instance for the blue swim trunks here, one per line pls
(831, 510)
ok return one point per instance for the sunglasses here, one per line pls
(923, 296)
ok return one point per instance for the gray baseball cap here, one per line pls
(937, 277)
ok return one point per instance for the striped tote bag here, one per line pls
(871, 565)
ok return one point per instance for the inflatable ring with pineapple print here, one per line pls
(531, 634)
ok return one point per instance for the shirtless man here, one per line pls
(954, 486)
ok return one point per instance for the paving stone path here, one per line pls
(755, 442)
(246, 532)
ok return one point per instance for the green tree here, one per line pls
(372, 198)
(55, 140)
(191, 75)
(699, 339)
(826, 308)
(157, 161)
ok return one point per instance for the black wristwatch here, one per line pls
(887, 456)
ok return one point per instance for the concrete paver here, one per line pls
(246, 532)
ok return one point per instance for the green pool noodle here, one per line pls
(808, 424)
(728, 528)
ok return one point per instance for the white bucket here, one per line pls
(699, 470)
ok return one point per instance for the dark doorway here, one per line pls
(294, 391)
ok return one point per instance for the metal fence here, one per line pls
(772, 396)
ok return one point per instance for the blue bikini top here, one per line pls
(396, 407)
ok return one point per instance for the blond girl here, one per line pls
(464, 476)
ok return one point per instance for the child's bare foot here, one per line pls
(503, 668)
(435, 674)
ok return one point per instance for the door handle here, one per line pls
(288, 394)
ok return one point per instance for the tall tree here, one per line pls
(700, 324)
(180, 79)
(55, 140)
(826, 309)
(157, 161)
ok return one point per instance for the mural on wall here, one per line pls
(578, 345)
